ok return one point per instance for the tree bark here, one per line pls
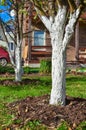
(61, 28)
(58, 74)
(18, 68)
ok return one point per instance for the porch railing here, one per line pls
(38, 52)
(82, 54)
(41, 51)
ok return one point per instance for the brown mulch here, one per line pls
(38, 108)
(10, 82)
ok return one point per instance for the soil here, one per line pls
(38, 108)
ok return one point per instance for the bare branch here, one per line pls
(71, 24)
(72, 5)
(12, 61)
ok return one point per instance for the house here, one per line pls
(38, 43)
(3, 41)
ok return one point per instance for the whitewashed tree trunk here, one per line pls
(61, 33)
(18, 64)
(59, 41)
(58, 75)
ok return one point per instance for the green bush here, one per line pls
(45, 66)
(82, 70)
(6, 69)
(10, 70)
(26, 70)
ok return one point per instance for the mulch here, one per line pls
(38, 108)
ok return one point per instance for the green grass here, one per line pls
(76, 87)
(11, 93)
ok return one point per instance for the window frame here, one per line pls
(44, 43)
(10, 47)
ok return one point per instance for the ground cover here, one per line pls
(29, 107)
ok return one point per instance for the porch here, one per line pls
(40, 52)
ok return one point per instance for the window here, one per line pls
(11, 46)
(39, 38)
(9, 28)
(0, 37)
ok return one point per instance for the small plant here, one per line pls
(45, 66)
(17, 121)
(82, 126)
(33, 124)
(27, 70)
(63, 126)
(10, 70)
(6, 69)
(81, 70)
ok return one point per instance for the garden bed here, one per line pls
(38, 109)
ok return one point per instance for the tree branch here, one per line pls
(72, 5)
(70, 26)
(46, 21)
(42, 14)
(11, 58)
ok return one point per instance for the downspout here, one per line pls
(77, 38)
(77, 42)
(30, 33)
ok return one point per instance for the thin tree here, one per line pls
(59, 17)
(17, 11)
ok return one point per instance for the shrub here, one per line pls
(26, 70)
(6, 69)
(45, 66)
(10, 70)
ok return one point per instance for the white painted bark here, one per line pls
(69, 29)
(47, 24)
(18, 64)
(11, 57)
(58, 95)
(18, 60)
(58, 74)
(60, 36)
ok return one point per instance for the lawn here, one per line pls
(75, 87)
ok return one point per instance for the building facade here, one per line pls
(38, 42)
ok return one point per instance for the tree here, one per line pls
(59, 17)
(16, 13)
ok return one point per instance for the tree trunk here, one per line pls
(18, 68)
(58, 73)
(61, 28)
